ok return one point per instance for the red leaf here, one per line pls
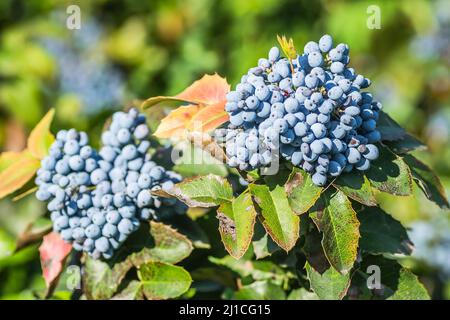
(53, 250)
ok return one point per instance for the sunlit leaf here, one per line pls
(18, 173)
(176, 122)
(277, 216)
(41, 138)
(204, 191)
(340, 227)
(163, 281)
(330, 285)
(357, 187)
(302, 192)
(236, 223)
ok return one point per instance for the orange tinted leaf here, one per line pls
(174, 125)
(53, 252)
(210, 89)
(209, 118)
(8, 158)
(18, 173)
(41, 138)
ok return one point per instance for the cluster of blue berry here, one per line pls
(97, 199)
(310, 110)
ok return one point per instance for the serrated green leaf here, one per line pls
(381, 233)
(340, 228)
(427, 181)
(330, 285)
(206, 191)
(389, 129)
(302, 192)
(169, 246)
(163, 281)
(236, 224)
(389, 173)
(100, 280)
(277, 216)
(357, 187)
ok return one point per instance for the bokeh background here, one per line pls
(128, 50)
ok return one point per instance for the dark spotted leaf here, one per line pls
(236, 224)
(277, 216)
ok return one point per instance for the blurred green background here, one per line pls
(130, 50)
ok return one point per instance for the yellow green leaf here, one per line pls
(41, 138)
(18, 173)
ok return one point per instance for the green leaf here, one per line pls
(165, 244)
(18, 173)
(381, 233)
(163, 281)
(41, 138)
(407, 144)
(427, 181)
(397, 282)
(100, 280)
(6, 245)
(132, 292)
(340, 227)
(261, 290)
(389, 173)
(389, 129)
(330, 285)
(195, 161)
(357, 187)
(277, 216)
(169, 245)
(236, 223)
(302, 192)
(264, 247)
(206, 191)
(302, 294)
